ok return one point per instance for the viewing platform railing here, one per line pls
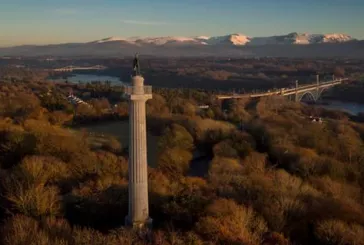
(135, 90)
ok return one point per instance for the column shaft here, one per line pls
(138, 176)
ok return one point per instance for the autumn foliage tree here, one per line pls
(266, 173)
(176, 147)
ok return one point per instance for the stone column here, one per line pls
(138, 94)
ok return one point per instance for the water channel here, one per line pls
(88, 78)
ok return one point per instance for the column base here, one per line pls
(139, 224)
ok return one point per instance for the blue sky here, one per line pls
(58, 21)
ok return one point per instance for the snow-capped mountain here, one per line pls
(155, 40)
(301, 38)
(169, 40)
(112, 39)
(233, 39)
(237, 39)
(336, 38)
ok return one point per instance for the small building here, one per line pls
(204, 107)
(315, 119)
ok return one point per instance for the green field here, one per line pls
(101, 132)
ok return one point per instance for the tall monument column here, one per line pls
(138, 94)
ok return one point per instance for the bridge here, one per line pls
(313, 91)
(78, 68)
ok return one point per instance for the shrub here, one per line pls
(176, 136)
(337, 232)
(90, 236)
(255, 162)
(157, 105)
(274, 238)
(176, 238)
(57, 228)
(221, 165)
(188, 109)
(22, 230)
(34, 201)
(282, 211)
(81, 165)
(174, 161)
(225, 149)
(160, 184)
(59, 117)
(205, 126)
(108, 164)
(39, 170)
(336, 189)
(14, 145)
(227, 222)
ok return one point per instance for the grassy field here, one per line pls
(100, 133)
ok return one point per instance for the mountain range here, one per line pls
(235, 39)
(290, 45)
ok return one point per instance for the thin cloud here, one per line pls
(146, 23)
(66, 11)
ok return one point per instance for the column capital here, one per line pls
(139, 97)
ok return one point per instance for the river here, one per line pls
(88, 78)
(351, 108)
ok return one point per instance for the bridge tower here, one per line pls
(296, 92)
(137, 95)
(317, 83)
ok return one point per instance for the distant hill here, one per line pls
(290, 45)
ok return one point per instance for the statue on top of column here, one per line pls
(136, 66)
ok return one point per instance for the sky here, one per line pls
(61, 21)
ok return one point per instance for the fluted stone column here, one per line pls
(138, 94)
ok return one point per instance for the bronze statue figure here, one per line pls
(136, 67)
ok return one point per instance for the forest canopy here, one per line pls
(260, 172)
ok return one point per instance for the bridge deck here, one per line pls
(72, 68)
(284, 91)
